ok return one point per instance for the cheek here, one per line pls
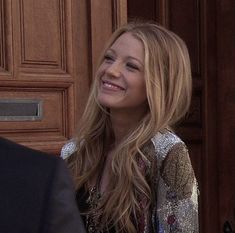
(140, 91)
(99, 74)
(142, 87)
(100, 71)
(144, 91)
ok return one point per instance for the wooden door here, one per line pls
(208, 27)
(225, 105)
(48, 50)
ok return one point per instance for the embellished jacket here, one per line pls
(173, 184)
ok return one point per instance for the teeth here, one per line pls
(112, 86)
(108, 85)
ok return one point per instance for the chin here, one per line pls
(107, 104)
(103, 103)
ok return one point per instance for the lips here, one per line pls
(111, 86)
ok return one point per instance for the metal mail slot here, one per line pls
(20, 110)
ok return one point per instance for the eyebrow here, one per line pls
(128, 57)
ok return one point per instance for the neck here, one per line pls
(123, 122)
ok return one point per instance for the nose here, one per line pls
(114, 70)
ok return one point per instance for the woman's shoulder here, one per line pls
(164, 142)
(68, 149)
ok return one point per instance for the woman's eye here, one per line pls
(132, 66)
(108, 58)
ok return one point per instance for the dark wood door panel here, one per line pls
(6, 43)
(48, 52)
(39, 47)
(42, 36)
(208, 29)
(50, 121)
(226, 109)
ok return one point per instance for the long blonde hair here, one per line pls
(168, 87)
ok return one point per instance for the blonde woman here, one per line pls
(132, 173)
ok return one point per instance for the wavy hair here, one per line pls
(168, 86)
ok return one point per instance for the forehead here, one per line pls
(128, 44)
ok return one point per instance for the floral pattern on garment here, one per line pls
(172, 179)
(176, 208)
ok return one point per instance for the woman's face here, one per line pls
(121, 76)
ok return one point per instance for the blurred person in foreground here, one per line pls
(37, 194)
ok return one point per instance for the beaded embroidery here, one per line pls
(176, 206)
(92, 220)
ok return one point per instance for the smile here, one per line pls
(111, 86)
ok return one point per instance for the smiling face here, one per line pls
(121, 83)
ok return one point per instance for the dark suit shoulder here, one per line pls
(26, 178)
(13, 154)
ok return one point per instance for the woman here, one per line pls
(132, 173)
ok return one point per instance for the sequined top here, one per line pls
(173, 184)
